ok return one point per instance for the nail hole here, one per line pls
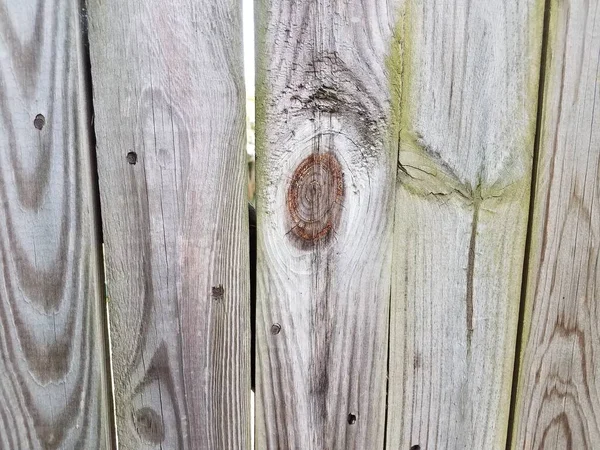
(415, 447)
(351, 419)
(132, 157)
(39, 121)
(218, 291)
(275, 328)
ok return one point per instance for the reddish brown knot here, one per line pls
(315, 197)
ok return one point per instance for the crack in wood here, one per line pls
(471, 265)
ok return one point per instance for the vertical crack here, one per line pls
(471, 265)
(103, 309)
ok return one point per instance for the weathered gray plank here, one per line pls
(558, 404)
(169, 106)
(326, 169)
(53, 382)
(469, 95)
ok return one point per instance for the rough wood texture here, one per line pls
(470, 74)
(326, 163)
(558, 404)
(169, 105)
(53, 382)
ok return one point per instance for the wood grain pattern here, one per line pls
(53, 379)
(470, 73)
(169, 105)
(558, 403)
(326, 159)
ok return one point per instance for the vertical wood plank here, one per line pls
(169, 105)
(557, 403)
(326, 156)
(469, 96)
(53, 379)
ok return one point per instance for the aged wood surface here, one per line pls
(169, 117)
(558, 403)
(53, 378)
(470, 73)
(326, 157)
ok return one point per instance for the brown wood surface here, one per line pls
(558, 398)
(169, 118)
(53, 379)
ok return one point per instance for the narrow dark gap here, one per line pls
(248, 43)
(387, 364)
(534, 176)
(97, 212)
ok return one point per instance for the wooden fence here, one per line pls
(427, 241)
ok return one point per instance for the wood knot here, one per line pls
(149, 425)
(315, 197)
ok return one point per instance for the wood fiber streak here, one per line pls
(326, 171)
(470, 75)
(558, 402)
(169, 105)
(53, 376)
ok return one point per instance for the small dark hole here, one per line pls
(39, 121)
(132, 157)
(415, 447)
(351, 419)
(218, 291)
(275, 328)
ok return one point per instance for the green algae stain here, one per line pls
(399, 67)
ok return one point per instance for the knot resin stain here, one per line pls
(315, 197)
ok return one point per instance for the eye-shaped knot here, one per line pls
(315, 197)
